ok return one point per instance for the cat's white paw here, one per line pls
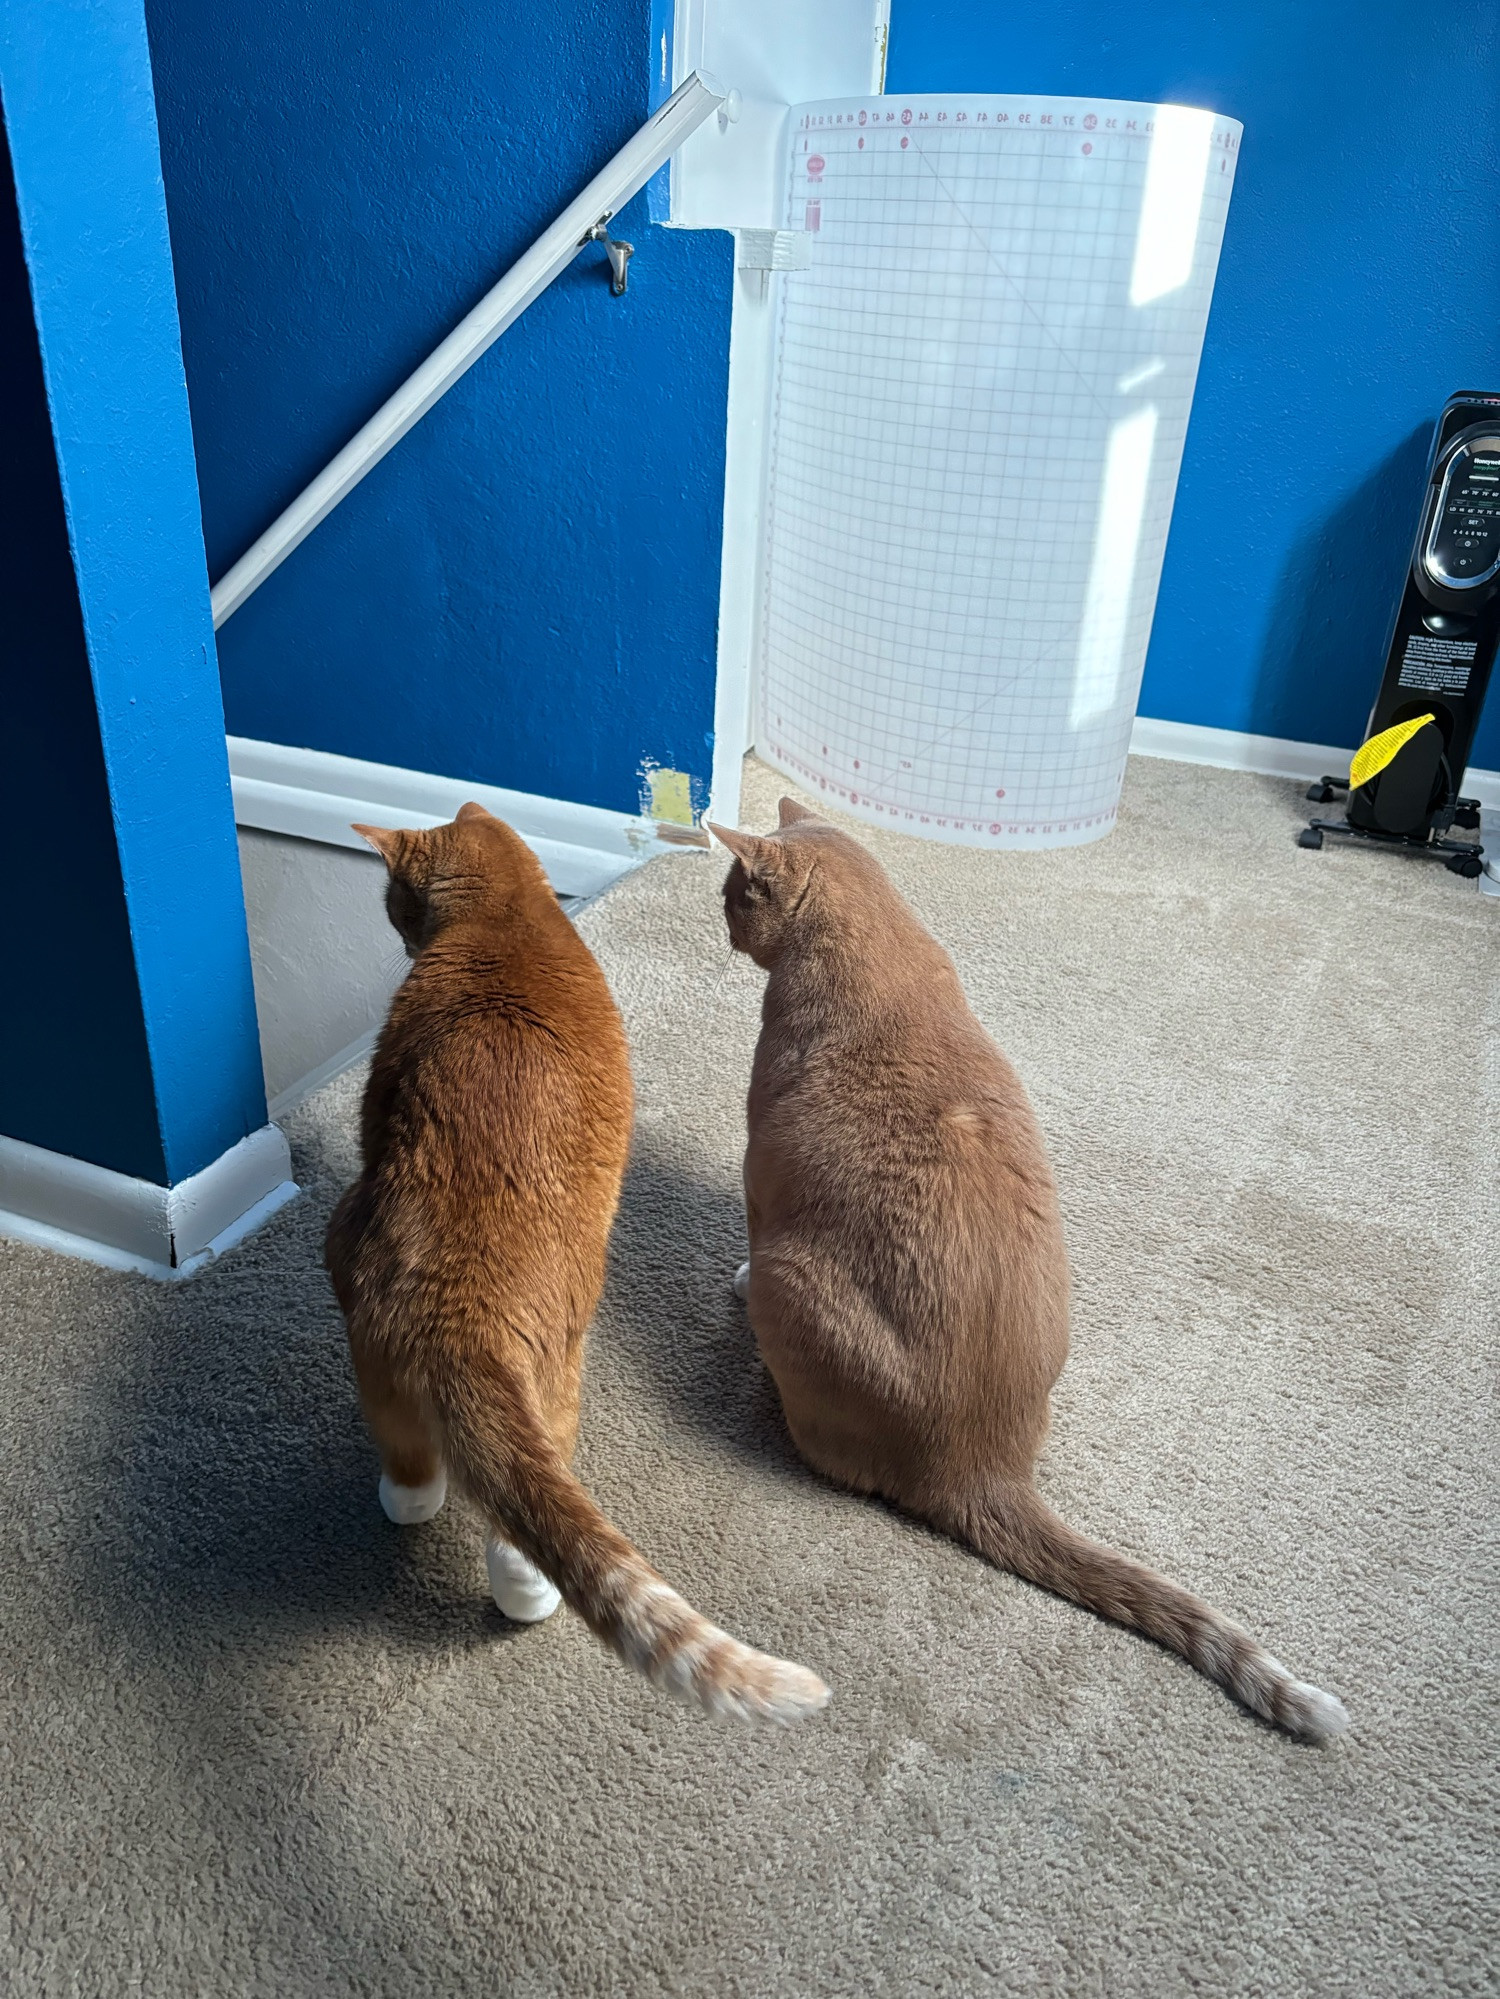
(517, 1585)
(742, 1281)
(408, 1505)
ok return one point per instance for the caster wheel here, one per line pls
(1467, 816)
(1320, 794)
(1310, 836)
(1468, 865)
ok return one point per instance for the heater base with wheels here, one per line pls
(1460, 857)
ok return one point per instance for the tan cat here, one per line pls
(907, 1282)
(469, 1255)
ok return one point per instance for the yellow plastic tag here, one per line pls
(1371, 759)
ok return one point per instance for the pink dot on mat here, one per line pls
(1001, 792)
(861, 143)
(1088, 149)
(904, 144)
(856, 763)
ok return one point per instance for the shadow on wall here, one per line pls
(1330, 619)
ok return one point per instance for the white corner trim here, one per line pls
(1269, 756)
(68, 1205)
(314, 795)
(751, 350)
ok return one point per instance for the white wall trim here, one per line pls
(314, 795)
(68, 1205)
(745, 457)
(770, 55)
(1270, 756)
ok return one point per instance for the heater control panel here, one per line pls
(1462, 549)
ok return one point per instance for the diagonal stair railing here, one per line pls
(581, 222)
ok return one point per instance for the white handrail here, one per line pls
(551, 253)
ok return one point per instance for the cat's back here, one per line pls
(877, 1089)
(503, 1048)
(875, 1024)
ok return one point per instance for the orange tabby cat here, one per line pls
(469, 1255)
(907, 1282)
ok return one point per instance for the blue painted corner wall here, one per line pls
(109, 576)
(76, 1074)
(526, 591)
(1359, 287)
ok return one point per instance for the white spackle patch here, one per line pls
(667, 795)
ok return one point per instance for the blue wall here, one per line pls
(526, 591)
(76, 1074)
(129, 1020)
(1359, 286)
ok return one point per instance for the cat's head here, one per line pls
(779, 880)
(440, 873)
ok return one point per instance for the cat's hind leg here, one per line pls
(413, 1484)
(410, 1505)
(518, 1585)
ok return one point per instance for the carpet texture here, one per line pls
(257, 1741)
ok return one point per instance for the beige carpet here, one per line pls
(256, 1741)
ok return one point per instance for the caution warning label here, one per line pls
(1436, 666)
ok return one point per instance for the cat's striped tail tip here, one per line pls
(1314, 1715)
(727, 1679)
(777, 1692)
(794, 1695)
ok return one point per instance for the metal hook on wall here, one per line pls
(619, 255)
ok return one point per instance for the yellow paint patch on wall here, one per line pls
(671, 796)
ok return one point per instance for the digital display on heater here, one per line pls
(1463, 547)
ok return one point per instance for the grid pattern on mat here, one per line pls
(975, 442)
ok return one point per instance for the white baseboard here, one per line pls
(66, 1204)
(314, 795)
(1270, 756)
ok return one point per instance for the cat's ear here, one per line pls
(384, 839)
(470, 811)
(793, 812)
(749, 849)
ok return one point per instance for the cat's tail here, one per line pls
(1018, 1531)
(504, 1456)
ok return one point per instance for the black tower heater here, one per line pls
(1442, 648)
